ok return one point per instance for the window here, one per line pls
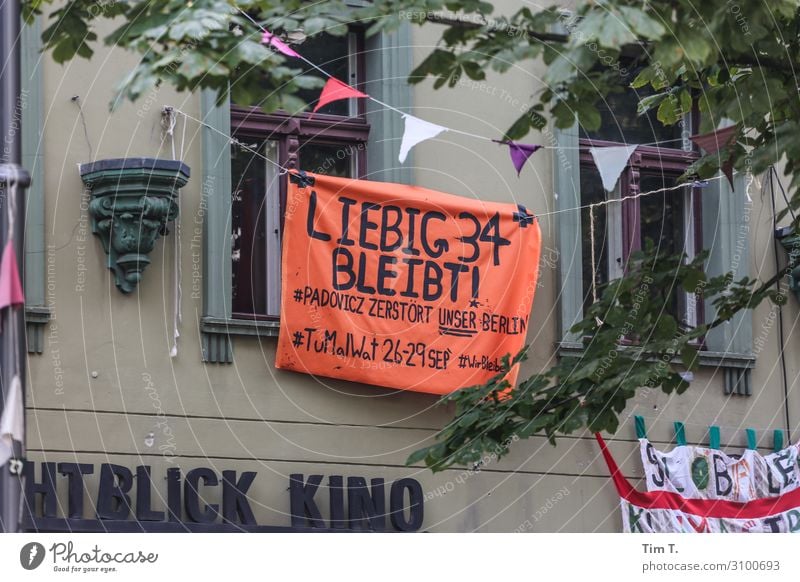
(672, 219)
(716, 218)
(332, 141)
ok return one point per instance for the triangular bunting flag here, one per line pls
(610, 162)
(334, 90)
(12, 422)
(280, 46)
(416, 131)
(714, 141)
(520, 152)
(10, 285)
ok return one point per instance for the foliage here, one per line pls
(736, 60)
(631, 342)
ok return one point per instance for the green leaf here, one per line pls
(689, 357)
(417, 456)
(668, 111)
(589, 117)
(645, 77)
(643, 25)
(697, 47)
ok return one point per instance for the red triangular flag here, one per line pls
(334, 90)
(10, 286)
(716, 140)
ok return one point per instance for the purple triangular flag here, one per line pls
(520, 152)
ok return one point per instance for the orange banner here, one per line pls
(401, 286)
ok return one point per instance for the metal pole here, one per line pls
(13, 179)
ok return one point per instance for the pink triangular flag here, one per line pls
(10, 286)
(276, 43)
(520, 152)
(334, 90)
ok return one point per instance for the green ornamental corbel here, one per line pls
(132, 200)
(790, 239)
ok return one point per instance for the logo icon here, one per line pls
(31, 555)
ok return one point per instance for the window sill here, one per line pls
(710, 359)
(239, 327)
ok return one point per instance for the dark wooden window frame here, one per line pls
(250, 124)
(671, 161)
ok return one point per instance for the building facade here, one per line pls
(217, 438)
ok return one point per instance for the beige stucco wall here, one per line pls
(105, 380)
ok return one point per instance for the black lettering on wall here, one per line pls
(303, 508)
(397, 505)
(113, 501)
(144, 487)
(174, 494)
(360, 504)
(46, 488)
(336, 488)
(235, 505)
(74, 473)
(191, 495)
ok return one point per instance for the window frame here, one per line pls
(291, 133)
(623, 220)
(723, 220)
(387, 64)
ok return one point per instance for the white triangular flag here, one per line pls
(12, 423)
(610, 162)
(417, 130)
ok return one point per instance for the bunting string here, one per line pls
(170, 122)
(284, 170)
(416, 130)
(594, 261)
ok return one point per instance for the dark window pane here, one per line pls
(249, 232)
(662, 214)
(330, 159)
(620, 121)
(592, 192)
(330, 53)
(662, 222)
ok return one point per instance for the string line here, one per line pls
(284, 170)
(327, 75)
(594, 265)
